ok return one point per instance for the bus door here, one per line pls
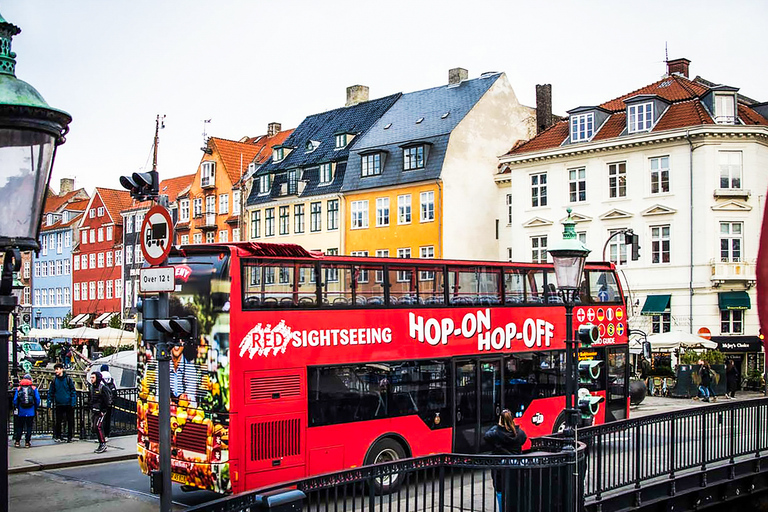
(477, 401)
(617, 389)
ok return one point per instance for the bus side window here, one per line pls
(603, 286)
(369, 290)
(535, 282)
(402, 286)
(431, 285)
(337, 285)
(514, 287)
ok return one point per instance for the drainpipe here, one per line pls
(690, 185)
(440, 219)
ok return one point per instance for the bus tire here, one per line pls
(386, 450)
(559, 425)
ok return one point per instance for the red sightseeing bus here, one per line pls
(308, 364)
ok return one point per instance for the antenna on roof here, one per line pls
(205, 125)
(666, 52)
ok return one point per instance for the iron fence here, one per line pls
(625, 454)
(123, 414)
(536, 480)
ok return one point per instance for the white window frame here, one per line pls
(660, 175)
(617, 180)
(538, 189)
(661, 244)
(725, 109)
(184, 210)
(326, 175)
(582, 126)
(109, 289)
(382, 211)
(92, 290)
(732, 321)
(404, 209)
(381, 253)
(223, 203)
(640, 117)
(197, 207)
(184, 239)
(539, 249)
(730, 163)
(76, 291)
(223, 236)
(577, 185)
(236, 199)
(207, 173)
(109, 258)
(197, 238)
(359, 214)
(129, 224)
(235, 234)
(265, 183)
(210, 237)
(731, 241)
(617, 249)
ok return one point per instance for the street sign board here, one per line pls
(156, 235)
(156, 279)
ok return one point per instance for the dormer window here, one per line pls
(312, 145)
(639, 117)
(264, 184)
(326, 175)
(207, 174)
(341, 140)
(278, 154)
(413, 158)
(371, 164)
(725, 109)
(582, 127)
(49, 219)
(65, 216)
(293, 181)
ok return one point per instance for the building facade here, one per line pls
(682, 163)
(97, 279)
(416, 182)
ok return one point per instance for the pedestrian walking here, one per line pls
(100, 402)
(506, 438)
(645, 370)
(731, 379)
(705, 380)
(110, 382)
(62, 398)
(26, 400)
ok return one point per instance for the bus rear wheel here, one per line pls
(386, 450)
(559, 425)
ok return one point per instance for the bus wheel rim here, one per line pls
(387, 455)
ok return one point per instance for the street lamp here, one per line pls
(38, 314)
(30, 131)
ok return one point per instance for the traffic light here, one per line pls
(148, 308)
(589, 371)
(181, 330)
(589, 405)
(142, 185)
(635, 247)
(588, 334)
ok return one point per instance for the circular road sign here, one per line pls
(156, 233)
(705, 333)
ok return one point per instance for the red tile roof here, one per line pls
(237, 155)
(685, 110)
(79, 206)
(115, 201)
(172, 187)
(54, 202)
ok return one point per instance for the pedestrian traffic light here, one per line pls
(588, 334)
(182, 330)
(589, 405)
(148, 308)
(628, 234)
(142, 185)
(589, 371)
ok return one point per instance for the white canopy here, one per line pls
(110, 337)
(42, 333)
(78, 332)
(673, 340)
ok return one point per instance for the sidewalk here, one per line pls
(47, 454)
(658, 404)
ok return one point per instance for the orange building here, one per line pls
(210, 211)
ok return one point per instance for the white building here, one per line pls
(684, 164)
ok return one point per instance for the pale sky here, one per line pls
(115, 64)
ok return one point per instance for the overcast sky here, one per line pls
(115, 64)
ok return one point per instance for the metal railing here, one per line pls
(123, 414)
(533, 481)
(628, 453)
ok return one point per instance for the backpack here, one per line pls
(107, 391)
(26, 397)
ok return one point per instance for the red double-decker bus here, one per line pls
(308, 364)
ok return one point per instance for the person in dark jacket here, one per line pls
(62, 397)
(506, 438)
(110, 383)
(705, 379)
(731, 379)
(100, 401)
(26, 400)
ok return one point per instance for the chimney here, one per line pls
(678, 67)
(66, 185)
(543, 107)
(273, 129)
(356, 94)
(456, 75)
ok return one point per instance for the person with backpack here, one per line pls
(62, 397)
(26, 400)
(100, 402)
(110, 382)
(506, 438)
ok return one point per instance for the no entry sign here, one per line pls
(156, 235)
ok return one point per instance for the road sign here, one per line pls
(156, 279)
(705, 333)
(156, 234)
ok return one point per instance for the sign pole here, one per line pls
(163, 355)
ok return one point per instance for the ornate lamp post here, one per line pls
(38, 314)
(568, 257)
(30, 131)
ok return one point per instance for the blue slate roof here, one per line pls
(400, 126)
(320, 128)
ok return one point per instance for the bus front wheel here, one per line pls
(386, 450)
(559, 425)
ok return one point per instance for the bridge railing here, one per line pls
(624, 454)
(532, 481)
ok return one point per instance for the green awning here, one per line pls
(733, 300)
(655, 304)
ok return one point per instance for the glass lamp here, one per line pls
(568, 257)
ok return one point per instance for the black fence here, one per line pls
(536, 480)
(123, 414)
(624, 455)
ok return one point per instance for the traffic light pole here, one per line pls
(163, 354)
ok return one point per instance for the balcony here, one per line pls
(207, 182)
(206, 221)
(731, 193)
(733, 272)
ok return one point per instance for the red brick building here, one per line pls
(97, 275)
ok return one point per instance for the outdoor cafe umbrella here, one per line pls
(111, 337)
(673, 340)
(78, 332)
